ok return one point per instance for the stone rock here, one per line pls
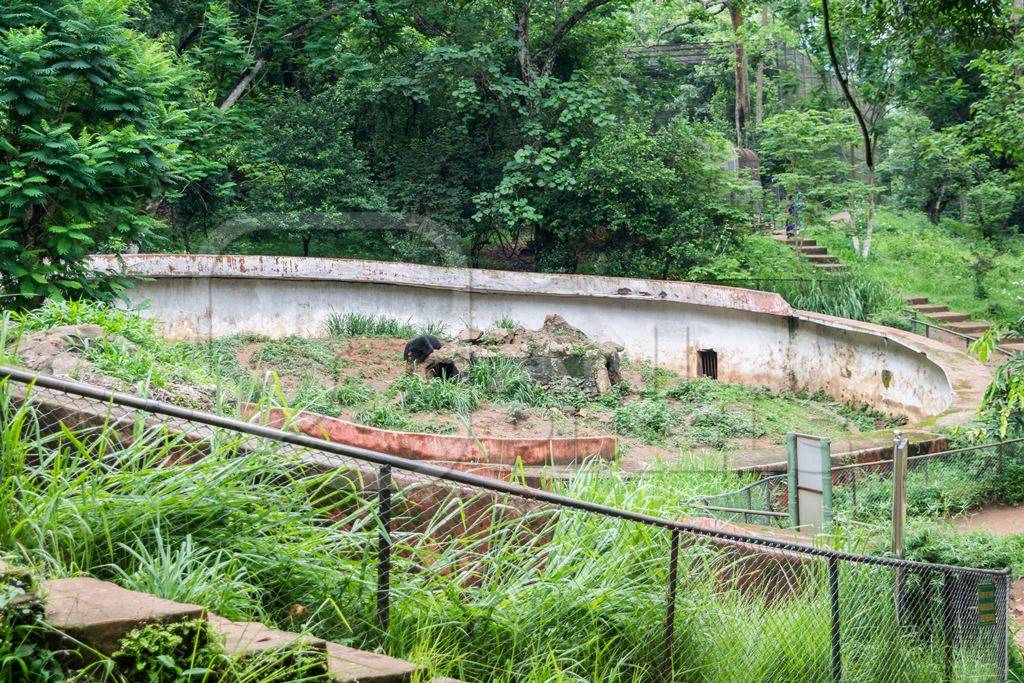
(58, 351)
(556, 353)
(470, 334)
(345, 665)
(243, 638)
(100, 614)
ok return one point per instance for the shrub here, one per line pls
(422, 395)
(714, 426)
(384, 415)
(505, 379)
(646, 418)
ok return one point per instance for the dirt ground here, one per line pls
(1003, 521)
(378, 362)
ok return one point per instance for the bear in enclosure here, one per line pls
(417, 350)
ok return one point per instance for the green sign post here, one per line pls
(986, 603)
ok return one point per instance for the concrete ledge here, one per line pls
(441, 447)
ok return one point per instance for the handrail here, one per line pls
(914, 320)
(425, 469)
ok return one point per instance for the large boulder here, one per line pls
(556, 353)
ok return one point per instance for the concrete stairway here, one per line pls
(958, 322)
(816, 254)
(100, 614)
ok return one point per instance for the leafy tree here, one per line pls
(301, 170)
(927, 169)
(801, 152)
(88, 112)
(646, 204)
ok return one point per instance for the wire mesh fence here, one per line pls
(508, 580)
(940, 484)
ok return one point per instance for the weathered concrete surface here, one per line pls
(443, 447)
(759, 339)
(243, 638)
(346, 665)
(100, 614)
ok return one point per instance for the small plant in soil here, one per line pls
(648, 419)
(423, 395)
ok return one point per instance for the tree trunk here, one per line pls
(759, 99)
(869, 227)
(306, 239)
(742, 79)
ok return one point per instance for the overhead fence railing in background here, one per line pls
(462, 556)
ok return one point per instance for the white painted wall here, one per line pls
(759, 339)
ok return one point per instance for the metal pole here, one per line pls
(384, 548)
(670, 612)
(948, 625)
(794, 510)
(1002, 624)
(833, 588)
(750, 506)
(899, 510)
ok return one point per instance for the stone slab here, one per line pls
(248, 637)
(347, 665)
(100, 614)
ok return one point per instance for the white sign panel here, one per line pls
(808, 463)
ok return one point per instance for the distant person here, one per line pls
(790, 216)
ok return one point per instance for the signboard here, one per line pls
(986, 603)
(810, 481)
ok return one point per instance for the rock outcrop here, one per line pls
(557, 352)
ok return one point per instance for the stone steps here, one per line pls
(816, 254)
(959, 322)
(804, 249)
(929, 308)
(99, 614)
(818, 259)
(970, 327)
(949, 317)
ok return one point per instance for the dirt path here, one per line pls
(1002, 521)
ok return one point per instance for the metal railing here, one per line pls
(927, 328)
(480, 551)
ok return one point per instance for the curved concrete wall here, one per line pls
(759, 339)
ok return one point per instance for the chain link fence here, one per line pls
(511, 580)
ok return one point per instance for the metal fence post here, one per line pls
(1000, 462)
(384, 548)
(948, 625)
(750, 505)
(794, 511)
(1002, 625)
(833, 589)
(670, 612)
(899, 512)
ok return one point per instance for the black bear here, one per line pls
(417, 350)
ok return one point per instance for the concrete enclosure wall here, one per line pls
(758, 338)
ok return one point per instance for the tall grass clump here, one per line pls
(506, 380)
(433, 395)
(485, 587)
(846, 296)
(362, 325)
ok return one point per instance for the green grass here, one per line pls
(361, 325)
(483, 589)
(950, 263)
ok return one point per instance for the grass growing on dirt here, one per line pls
(950, 263)
(326, 376)
(527, 596)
